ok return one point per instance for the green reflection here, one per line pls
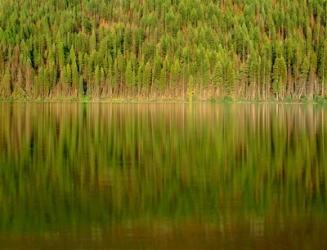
(67, 166)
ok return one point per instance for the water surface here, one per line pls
(100, 176)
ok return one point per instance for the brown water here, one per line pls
(100, 176)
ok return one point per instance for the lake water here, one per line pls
(163, 176)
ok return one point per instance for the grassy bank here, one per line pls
(164, 99)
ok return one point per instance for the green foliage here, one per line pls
(279, 75)
(323, 65)
(147, 75)
(218, 74)
(129, 74)
(68, 76)
(176, 39)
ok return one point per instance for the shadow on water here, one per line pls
(98, 176)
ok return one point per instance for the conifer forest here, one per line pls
(252, 49)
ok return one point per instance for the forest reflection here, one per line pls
(254, 168)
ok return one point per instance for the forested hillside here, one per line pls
(255, 49)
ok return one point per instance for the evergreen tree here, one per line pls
(163, 76)
(218, 74)
(68, 76)
(279, 75)
(323, 68)
(147, 75)
(129, 74)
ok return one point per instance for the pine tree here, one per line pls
(163, 76)
(305, 67)
(312, 74)
(229, 78)
(61, 55)
(129, 74)
(68, 76)
(74, 70)
(279, 75)
(323, 68)
(147, 75)
(93, 41)
(176, 70)
(139, 76)
(218, 77)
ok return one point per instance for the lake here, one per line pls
(163, 176)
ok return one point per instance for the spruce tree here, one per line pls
(279, 75)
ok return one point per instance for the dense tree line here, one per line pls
(243, 48)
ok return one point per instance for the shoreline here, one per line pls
(134, 100)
